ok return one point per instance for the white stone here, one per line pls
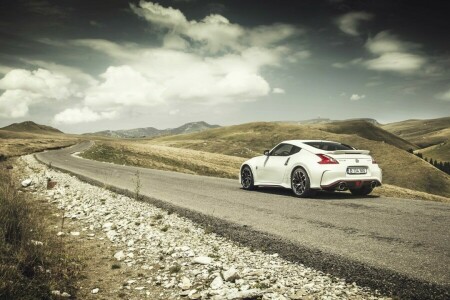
(95, 291)
(231, 274)
(202, 260)
(185, 283)
(65, 295)
(26, 182)
(75, 233)
(216, 283)
(119, 255)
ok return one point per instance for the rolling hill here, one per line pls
(423, 133)
(151, 131)
(400, 168)
(28, 137)
(432, 136)
(31, 127)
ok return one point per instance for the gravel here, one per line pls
(176, 253)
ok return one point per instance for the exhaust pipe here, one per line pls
(373, 184)
(342, 186)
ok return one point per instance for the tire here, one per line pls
(247, 181)
(364, 191)
(301, 184)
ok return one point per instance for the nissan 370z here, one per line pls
(307, 166)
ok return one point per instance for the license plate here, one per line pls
(356, 170)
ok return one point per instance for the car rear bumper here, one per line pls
(331, 179)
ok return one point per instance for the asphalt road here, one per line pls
(403, 244)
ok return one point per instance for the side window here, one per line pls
(282, 150)
(294, 150)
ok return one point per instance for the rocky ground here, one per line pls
(137, 251)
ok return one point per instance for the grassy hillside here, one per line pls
(400, 167)
(369, 131)
(13, 143)
(31, 127)
(440, 152)
(423, 133)
(136, 153)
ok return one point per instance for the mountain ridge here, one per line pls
(146, 132)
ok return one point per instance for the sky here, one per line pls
(85, 66)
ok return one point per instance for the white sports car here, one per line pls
(306, 166)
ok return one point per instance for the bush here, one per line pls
(32, 262)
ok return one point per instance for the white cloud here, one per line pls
(278, 91)
(385, 42)
(24, 88)
(393, 54)
(15, 103)
(40, 81)
(349, 22)
(124, 86)
(82, 115)
(396, 62)
(444, 96)
(75, 74)
(356, 97)
(207, 61)
(214, 33)
(4, 69)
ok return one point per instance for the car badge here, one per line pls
(357, 160)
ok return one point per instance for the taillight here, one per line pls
(326, 160)
(374, 162)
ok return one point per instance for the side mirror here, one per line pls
(266, 152)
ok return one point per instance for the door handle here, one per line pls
(287, 161)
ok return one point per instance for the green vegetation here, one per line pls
(33, 262)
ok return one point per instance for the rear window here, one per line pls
(327, 146)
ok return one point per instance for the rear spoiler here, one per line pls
(349, 152)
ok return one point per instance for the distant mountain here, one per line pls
(151, 131)
(31, 127)
(326, 120)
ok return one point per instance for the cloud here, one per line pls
(208, 61)
(41, 81)
(82, 115)
(390, 54)
(349, 22)
(278, 91)
(386, 42)
(214, 33)
(24, 88)
(4, 69)
(356, 97)
(393, 54)
(396, 62)
(15, 103)
(443, 96)
(124, 86)
(75, 74)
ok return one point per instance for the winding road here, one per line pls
(398, 246)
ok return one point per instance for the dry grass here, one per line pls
(440, 152)
(20, 143)
(135, 153)
(33, 261)
(393, 191)
(422, 132)
(400, 168)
